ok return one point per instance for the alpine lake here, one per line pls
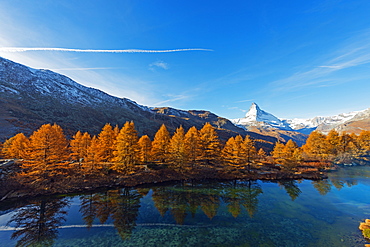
(199, 213)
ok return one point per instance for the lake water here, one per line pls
(209, 213)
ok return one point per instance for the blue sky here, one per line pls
(295, 59)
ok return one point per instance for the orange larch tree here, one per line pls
(239, 151)
(177, 149)
(191, 145)
(145, 147)
(126, 153)
(92, 159)
(47, 156)
(289, 149)
(316, 146)
(363, 141)
(349, 148)
(236, 152)
(261, 154)
(278, 152)
(227, 153)
(16, 147)
(106, 140)
(249, 152)
(344, 141)
(85, 144)
(209, 144)
(291, 155)
(160, 144)
(76, 146)
(116, 131)
(333, 141)
(79, 146)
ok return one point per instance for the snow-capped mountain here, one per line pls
(260, 121)
(257, 117)
(360, 121)
(308, 125)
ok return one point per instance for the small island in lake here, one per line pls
(47, 162)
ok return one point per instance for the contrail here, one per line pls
(20, 49)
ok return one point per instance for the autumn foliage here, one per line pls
(47, 156)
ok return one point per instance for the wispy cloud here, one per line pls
(235, 108)
(22, 49)
(97, 68)
(159, 64)
(246, 100)
(331, 66)
(172, 98)
(355, 52)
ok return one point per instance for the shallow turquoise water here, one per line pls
(208, 213)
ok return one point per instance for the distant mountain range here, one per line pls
(31, 97)
(353, 122)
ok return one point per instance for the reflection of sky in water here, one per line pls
(303, 213)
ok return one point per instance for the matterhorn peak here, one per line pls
(258, 117)
(254, 111)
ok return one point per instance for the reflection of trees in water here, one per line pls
(340, 183)
(250, 200)
(125, 209)
(322, 186)
(88, 208)
(102, 203)
(291, 188)
(348, 176)
(38, 222)
(243, 194)
(210, 203)
(122, 205)
(182, 199)
(187, 198)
